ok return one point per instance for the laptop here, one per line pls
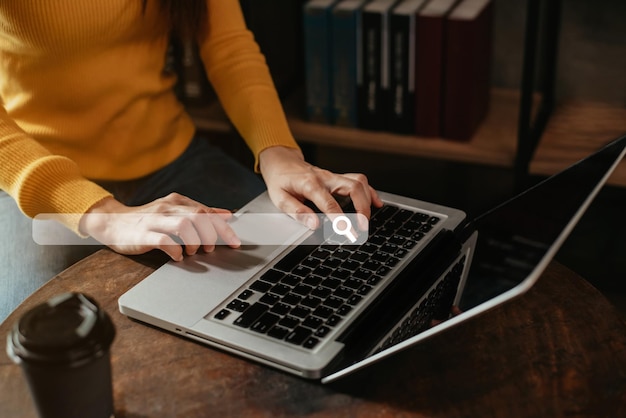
(322, 306)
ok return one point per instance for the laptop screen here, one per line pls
(514, 237)
(515, 241)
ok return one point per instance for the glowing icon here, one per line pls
(347, 230)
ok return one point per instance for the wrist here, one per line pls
(89, 224)
(271, 155)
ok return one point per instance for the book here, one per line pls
(374, 83)
(317, 59)
(402, 64)
(467, 68)
(431, 21)
(346, 25)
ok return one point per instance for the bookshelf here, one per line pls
(524, 130)
(493, 144)
(575, 130)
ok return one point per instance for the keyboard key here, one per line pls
(289, 322)
(331, 283)
(312, 322)
(251, 314)
(272, 276)
(323, 311)
(372, 265)
(300, 312)
(246, 294)
(278, 332)
(280, 309)
(311, 342)
(350, 264)
(322, 271)
(293, 258)
(322, 332)
(280, 289)
(321, 292)
(298, 335)
(291, 299)
(320, 253)
(344, 310)
(433, 220)
(312, 280)
(260, 286)
(341, 274)
(333, 302)
(290, 280)
(237, 305)
(311, 302)
(354, 300)
(265, 322)
(343, 292)
(269, 299)
(353, 283)
(222, 314)
(333, 320)
(301, 271)
(362, 274)
(332, 262)
(311, 262)
(364, 290)
(341, 253)
(302, 289)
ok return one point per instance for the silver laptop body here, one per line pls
(474, 265)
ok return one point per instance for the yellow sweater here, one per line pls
(84, 96)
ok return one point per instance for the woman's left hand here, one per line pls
(291, 180)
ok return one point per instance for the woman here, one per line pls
(90, 124)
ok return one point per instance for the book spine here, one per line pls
(429, 75)
(344, 27)
(467, 75)
(317, 58)
(401, 114)
(371, 115)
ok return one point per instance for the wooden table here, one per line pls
(558, 350)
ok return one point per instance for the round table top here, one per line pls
(559, 349)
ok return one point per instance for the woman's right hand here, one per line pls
(166, 224)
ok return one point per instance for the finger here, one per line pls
(167, 244)
(203, 223)
(225, 232)
(152, 240)
(356, 186)
(189, 233)
(290, 205)
(179, 226)
(317, 189)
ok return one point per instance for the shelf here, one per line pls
(493, 144)
(575, 130)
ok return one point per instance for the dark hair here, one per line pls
(185, 16)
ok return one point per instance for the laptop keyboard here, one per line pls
(310, 291)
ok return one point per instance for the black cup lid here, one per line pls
(68, 329)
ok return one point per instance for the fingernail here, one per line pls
(310, 222)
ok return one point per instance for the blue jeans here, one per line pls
(203, 173)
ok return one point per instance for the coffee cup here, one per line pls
(63, 348)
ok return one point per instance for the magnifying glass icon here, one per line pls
(347, 230)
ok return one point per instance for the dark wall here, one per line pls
(592, 49)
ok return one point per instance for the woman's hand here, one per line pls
(166, 224)
(290, 181)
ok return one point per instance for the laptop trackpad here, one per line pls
(183, 292)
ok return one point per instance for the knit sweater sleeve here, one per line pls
(241, 79)
(41, 182)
